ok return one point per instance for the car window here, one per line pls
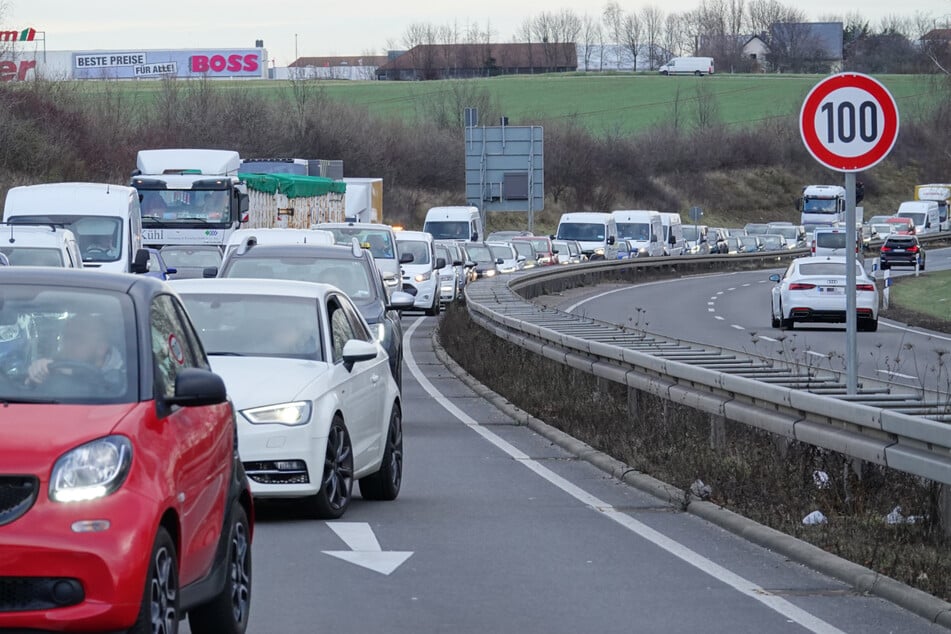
(419, 249)
(342, 328)
(827, 268)
(33, 256)
(171, 350)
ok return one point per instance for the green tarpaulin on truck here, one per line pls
(293, 185)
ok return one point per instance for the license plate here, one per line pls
(899, 250)
(832, 290)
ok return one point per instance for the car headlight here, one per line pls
(422, 277)
(91, 471)
(490, 273)
(599, 251)
(296, 413)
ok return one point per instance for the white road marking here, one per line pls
(742, 585)
(711, 303)
(627, 288)
(718, 317)
(711, 310)
(364, 548)
(733, 288)
(745, 285)
(915, 331)
(764, 337)
(816, 354)
(719, 292)
(898, 374)
(737, 326)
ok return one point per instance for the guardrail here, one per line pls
(901, 431)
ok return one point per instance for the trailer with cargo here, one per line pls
(292, 201)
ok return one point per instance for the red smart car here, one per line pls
(123, 505)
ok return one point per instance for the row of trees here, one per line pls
(647, 37)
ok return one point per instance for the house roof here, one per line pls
(476, 55)
(357, 60)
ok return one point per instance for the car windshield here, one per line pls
(916, 218)
(900, 242)
(790, 233)
(771, 241)
(244, 325)
(160, 208)
(99, 237)
(378, 241)
(503, 251)
(179, 257)
(479, 253)
(582, 231)
(691, 232)
(448, 229)
(418, 248)
(350, 275)
(634, 230)
(747, 243)
(67, 345)
(33, 256)
(524, 248)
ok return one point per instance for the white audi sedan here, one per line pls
(317, 404)
(813, 289)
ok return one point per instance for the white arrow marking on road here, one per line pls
(365, 550)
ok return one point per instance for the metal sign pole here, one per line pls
(851, 321)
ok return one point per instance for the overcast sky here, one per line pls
(309, 28)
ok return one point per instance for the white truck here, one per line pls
(822, 205)
(292, 201)
(454, 223)
(104, 218)
(364, 199)
(643, 229)
(189, 196)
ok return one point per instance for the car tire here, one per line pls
(385, 483)
(775, 321)
(227, 613)
(867, 325)
(883, 265)
(159, 611)
(336, 479)
(433, 311)
(921, 267)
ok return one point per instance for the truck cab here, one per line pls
(454, 223)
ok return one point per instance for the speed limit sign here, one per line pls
(849, 122)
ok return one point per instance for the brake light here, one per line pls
(885, 248)
(913, 249)
(865, 287)
(800, 286)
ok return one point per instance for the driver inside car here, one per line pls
(84, 348)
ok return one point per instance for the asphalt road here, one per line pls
(732, 310)
(499, 530)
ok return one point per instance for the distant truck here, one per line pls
(698, 66)
(454, 223)
(941, 194)
(364, 199)
(822, 205)
(189, 196)
(291, 201)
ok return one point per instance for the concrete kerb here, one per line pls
(859, 577)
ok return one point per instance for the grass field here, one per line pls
(929, 294)
(604, 104)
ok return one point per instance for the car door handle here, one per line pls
(375, 378)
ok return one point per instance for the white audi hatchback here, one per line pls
(317, 404)
(813, 289)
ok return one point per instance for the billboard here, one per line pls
(131, 64)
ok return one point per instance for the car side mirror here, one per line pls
(209, 272)
(171, 270)
(195, 387)
(400, 300)
(474, 237)
(406, 258)
(774, 277)
(355, 351)
(440, 263)
(140, 264)
(457, 262)
(611, 240)
(499, 261)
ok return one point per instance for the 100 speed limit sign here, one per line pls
(849, 122)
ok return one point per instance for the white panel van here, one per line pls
(105, 219)
(643, 229)
(924, 213)
(40, 245)
(674, 243)
(688, 66)
(596, 231)
(454, 223)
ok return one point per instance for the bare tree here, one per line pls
(632, 31)
(613, 17)
(591, 36)
(652, 18)
(674, 38)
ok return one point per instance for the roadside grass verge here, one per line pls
(926, 298)
(772, 480)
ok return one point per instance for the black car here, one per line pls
(351, 269)
(901, 250)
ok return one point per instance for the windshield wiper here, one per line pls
(30, 401)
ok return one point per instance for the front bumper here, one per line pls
(282, 461)
(108, 565)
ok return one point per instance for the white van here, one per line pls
(419, 274)
(40, 245)
(273, 235)
(454, 223)
(674, 243)
(596, 231)
(924, 213)
(643, 229)
(688, 66)
(105, 219)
